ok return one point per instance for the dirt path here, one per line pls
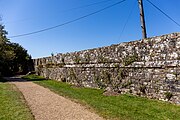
(46, 105)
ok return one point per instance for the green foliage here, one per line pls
(168, 95)
(98, 81)
(87, 58)
(13, 57)
(102, 59)
(116, 65)
(73, 76)
(123, 107)
(126, 84)
(3, 33)
(130, 59)
(122, 73)
(60, 65)
(12, 105)
(106, 76)
(77, 59)
(40, 66)
(2, 79)
(103, 79)
(50, 65)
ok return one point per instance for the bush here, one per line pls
(2, 79)
(130, 59)
(49, 65)
(40, 66)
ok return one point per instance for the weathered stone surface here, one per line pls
(148, 67)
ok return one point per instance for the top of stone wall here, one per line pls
(156, 48)
(171, 35)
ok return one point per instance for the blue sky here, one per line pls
(102, 29)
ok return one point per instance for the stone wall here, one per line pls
(148, 67)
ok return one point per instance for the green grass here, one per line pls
(123, 107)
(12, 104)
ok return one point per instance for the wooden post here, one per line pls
(143, 26)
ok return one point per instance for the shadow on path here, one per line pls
(20, 79)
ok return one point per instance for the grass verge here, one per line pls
(123, 107)
(12, 104)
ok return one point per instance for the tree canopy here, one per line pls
(14, 58)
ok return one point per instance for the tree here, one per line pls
(13, 57)
(22, 58)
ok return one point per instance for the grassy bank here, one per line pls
(12, 104)
(123, 107)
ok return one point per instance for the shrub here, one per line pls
(60, 65)
(98, 81)
(102, 59)
(77, 59)
(130, 59)
(127, 84)
(49, 65)
(87, 58)
(40, 66)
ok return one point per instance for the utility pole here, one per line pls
(143, 26)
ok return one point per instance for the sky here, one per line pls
(117, 24)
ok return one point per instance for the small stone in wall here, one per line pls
(171, 76)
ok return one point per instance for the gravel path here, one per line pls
(46, 105)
